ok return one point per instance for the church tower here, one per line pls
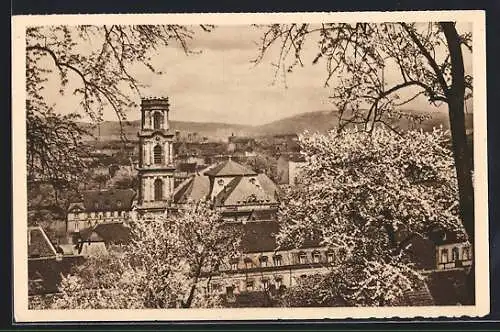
(156, 160)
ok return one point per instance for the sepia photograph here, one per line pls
(250, 166)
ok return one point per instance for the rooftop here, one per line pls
(105, 200)
(230, 168)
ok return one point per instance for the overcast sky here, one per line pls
(220, 84)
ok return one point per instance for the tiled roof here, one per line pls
(196, 188)
(420, 295)
(229, 168)
(39, 244)
(107, 232)
(222, 196)
(108, 200)
(242, 189)
(259, 236)
(245, 190)
(186, 167)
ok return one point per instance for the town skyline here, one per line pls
(220, 65)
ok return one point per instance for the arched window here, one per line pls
(157, 154)
(157, 120)
(158, 190)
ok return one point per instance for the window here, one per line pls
(316, 257)
(278, 281)
(158, 185)
(302, 258)
(157, 120)
(252, 180)
(119, 204)
(444, 256)
(277, 260)
(330, 257)
(157, 154)
(455, 254)
(248, 262)
(220, 182)
(96, 205)
(265, 283)
(249, 285)
(230, 291)
(216, 288)
(263, 261)
(234, 265)
(466, 253)
(252, 198)
(77, 228)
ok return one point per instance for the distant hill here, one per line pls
(318, 121)
(322, 121)
(110, 130)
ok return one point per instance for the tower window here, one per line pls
(157, 154)
(157, 120)
(158, 190)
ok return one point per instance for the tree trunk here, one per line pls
(462, 155)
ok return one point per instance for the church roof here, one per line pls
(230, 168)
(108, 200)
(246, 187)
(245, 190)
(196, 188)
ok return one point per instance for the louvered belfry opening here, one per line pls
(157, 120)
(157, 154)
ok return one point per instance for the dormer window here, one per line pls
(316, 257)
(277, 260)
(220, 182)
(263, 261)
(302, 258)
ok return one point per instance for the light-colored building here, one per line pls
(156, 157)
(289, 166)
(99, 206)
(234, 189)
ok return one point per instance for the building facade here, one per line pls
(99, 206)
(289, 166)
(156, 157)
